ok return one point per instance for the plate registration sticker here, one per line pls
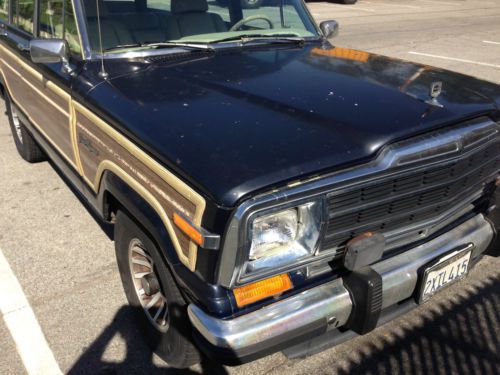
(445, 271)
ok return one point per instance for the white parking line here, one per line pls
(396, 5)
(490, 42)
(350, 8)
(363, 9)
(440, 2)
(21, 321)
(454, 59)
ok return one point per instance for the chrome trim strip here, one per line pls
(82, 29)
(431, 148)
(210, 47)
(211, 241)
(331, 302)
(142, 54)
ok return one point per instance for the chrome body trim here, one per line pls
(145, 53)
(211, 241)
(204, 47)
(431, 148)
(82, 28)
(330, 304)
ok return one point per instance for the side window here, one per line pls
(22, 14)
(4, 10)
(57, 20)
(158, 5)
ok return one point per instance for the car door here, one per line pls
(41, 91)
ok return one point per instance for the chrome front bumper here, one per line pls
(330, 304)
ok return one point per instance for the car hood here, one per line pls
(236, 122)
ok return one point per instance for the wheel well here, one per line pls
(111, 205)
(115, 194)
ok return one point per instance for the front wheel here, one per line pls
(151, 289)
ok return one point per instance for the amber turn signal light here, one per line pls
(188, 229)
(254, 292)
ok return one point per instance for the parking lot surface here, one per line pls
(64, 259)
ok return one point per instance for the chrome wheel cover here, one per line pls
(142, 267)
(17, 124)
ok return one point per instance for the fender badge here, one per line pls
(434, 92)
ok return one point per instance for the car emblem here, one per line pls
(435, 91)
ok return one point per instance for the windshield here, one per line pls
(139, 24)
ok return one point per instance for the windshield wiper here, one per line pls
(268, 38)
(191, 46)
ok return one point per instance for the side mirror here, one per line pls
(50, 51)
(329, 29)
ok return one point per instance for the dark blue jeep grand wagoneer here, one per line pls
(269, 191)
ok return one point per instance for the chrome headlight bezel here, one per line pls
(238, 239)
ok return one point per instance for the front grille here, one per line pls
(392, 204)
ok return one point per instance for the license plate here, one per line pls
(445, 271)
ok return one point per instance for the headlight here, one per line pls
(283, 237)
(272, 233)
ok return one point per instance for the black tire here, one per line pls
(174, 345)
(25, 143)
(348, 1)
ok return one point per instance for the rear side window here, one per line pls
(57, 20)
(23, 11)
(4, 10)
(159, 5)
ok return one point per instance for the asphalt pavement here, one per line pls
(64, 260)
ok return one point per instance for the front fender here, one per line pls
(212, 297)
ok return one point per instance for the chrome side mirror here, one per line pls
(329, 29)
(50, 51)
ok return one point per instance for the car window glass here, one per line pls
(4, 10)
(23, 12)
(57, 20)
(128, 23)
(158, 5)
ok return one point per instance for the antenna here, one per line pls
(103, 74)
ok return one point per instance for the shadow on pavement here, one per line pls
(458, 336)
(461, 337)
(138, 356)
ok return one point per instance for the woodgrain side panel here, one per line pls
(46, 105)
(102, 148)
